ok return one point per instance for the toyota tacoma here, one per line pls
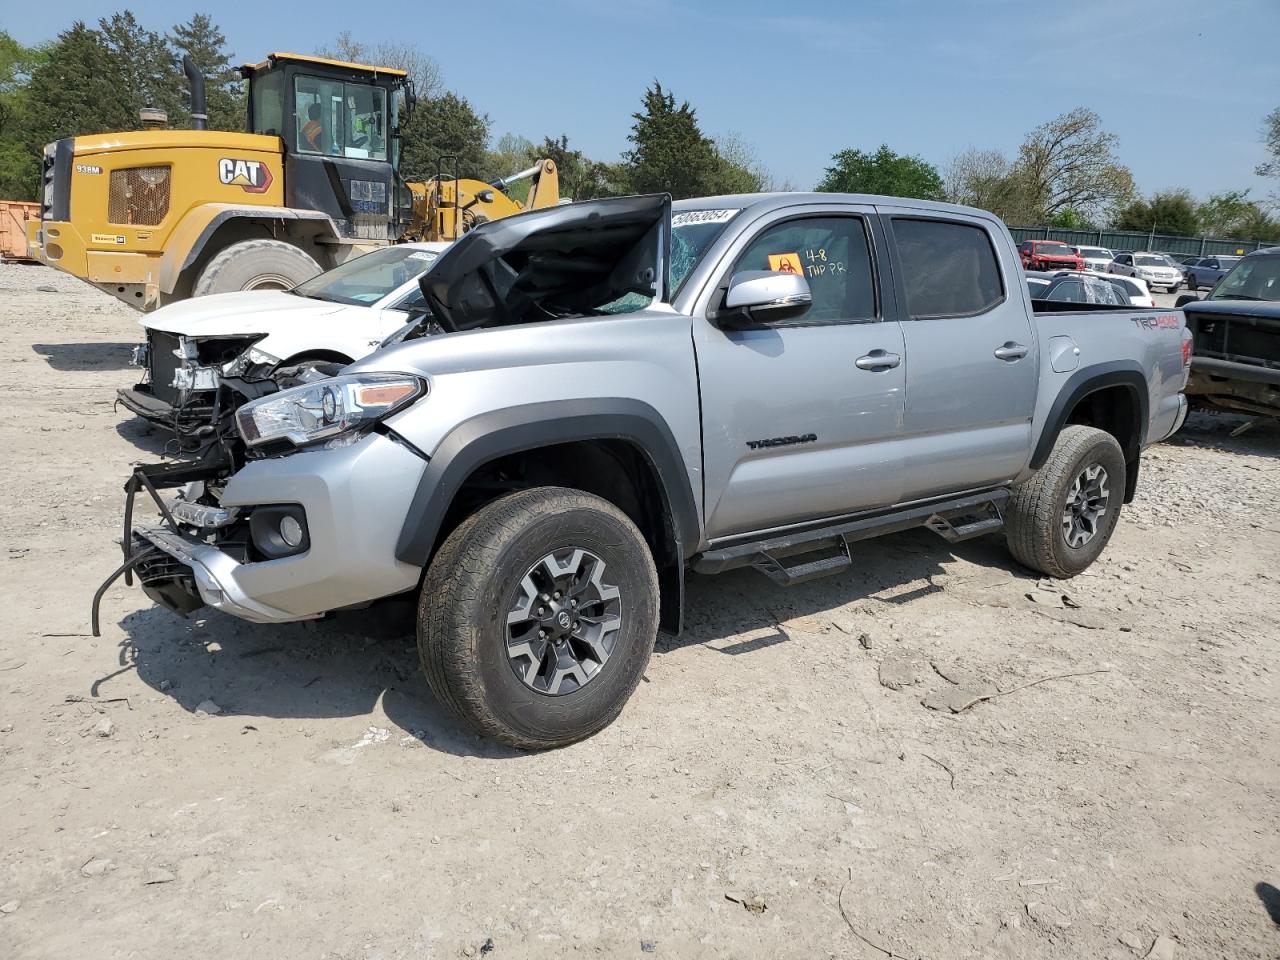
(599, 397)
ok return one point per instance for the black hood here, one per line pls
(563, 261)
(1263, 309)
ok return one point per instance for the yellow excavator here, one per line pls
(158, 215)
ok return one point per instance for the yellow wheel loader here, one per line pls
(157, 215)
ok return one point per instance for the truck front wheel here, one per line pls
(537, 617)
(255, 265)
(1061, 517)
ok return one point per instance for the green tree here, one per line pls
(883, 172)
(1169, 212)
(1220, 215)
(669, 151)
(146, 66)
(1070, 163)
(77, 88)
(224, 90)
(1271, 141)
(1070, 219)
(1257, 224)
(447, 125)
(19, 165)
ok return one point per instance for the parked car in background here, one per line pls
(332, 319)
(1096, 259)
(1070, 286)
(1137, 290)
(1207, 271)
(1235, 330)
(1152, 268)
(1048, 255)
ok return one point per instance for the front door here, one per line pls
(972, 360)
(801, 417)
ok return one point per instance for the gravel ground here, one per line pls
(780, 786)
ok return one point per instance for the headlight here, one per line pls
(253, 357)
(327, 408)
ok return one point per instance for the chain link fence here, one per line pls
(1120, 241)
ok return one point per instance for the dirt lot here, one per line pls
(764, 794)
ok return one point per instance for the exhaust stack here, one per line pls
(199, 114)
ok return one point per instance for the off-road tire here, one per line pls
(466, 595)
(255, 265)
(1034, 515)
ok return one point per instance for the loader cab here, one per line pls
(340, 123)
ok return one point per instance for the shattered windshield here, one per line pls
(1254, 278)
(366, 280)
(692, 233)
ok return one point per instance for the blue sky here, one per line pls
(1184, 83)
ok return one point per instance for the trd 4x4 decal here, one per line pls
(252, 176)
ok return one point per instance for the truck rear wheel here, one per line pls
(1061, 517)
(255, 265)
(537, 617)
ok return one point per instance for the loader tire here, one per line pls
(255, 265)
(537, 617)
(1061, 517)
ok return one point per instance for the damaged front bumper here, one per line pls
(350, 501)
(212, 577)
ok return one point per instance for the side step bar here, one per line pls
(980, 513)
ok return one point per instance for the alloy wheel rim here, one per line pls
(1087, 500)
(563, 622)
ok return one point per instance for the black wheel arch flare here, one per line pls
(1082, 383)
(495, 434)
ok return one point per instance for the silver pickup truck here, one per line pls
(601, 396)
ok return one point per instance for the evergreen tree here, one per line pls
(78, 88)
(670, 153)
(148, 74)
(224, 90)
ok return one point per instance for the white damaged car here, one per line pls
(317, 327)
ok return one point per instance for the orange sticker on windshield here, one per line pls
(785, 263)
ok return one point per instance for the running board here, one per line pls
(981, 511)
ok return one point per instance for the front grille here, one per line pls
(163, 364)
(138, 195)
(1253, 340)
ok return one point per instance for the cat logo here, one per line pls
(252, 176)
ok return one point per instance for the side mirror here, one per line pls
(763, 296)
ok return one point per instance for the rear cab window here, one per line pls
(949, 268)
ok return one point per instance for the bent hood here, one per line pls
(562, 261)
(231, 314)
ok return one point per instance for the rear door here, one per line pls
(971, 353)
(801, 418)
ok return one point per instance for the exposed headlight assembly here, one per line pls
(253, 357)
(328, 408)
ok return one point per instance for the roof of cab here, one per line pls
(271, 59)
(762, 202)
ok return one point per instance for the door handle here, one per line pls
(878, 360)
(1011, 351)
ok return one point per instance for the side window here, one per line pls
(948, 269)
(318, 114)
(834, 257)
(1069, 291)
